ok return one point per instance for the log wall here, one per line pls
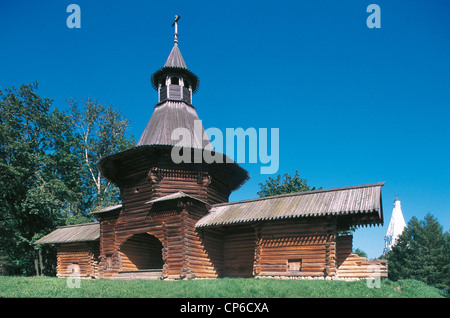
(198, 261)
(353, 266)
(239, 244)
(77, 259)
(296, 249)
(171, 222)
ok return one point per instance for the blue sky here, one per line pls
(353, 105)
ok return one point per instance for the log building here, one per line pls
(175, 220)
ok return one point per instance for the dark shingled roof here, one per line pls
(363, 199)
(175, 65)
(172, 115)
(73, 233)
(175, 58)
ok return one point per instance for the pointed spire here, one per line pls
(396, 226)
(175, 58)
(175, 65)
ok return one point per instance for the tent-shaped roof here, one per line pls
(73, 233)
(169, 117)
(175, 58)
(363, 199)
(175, 65)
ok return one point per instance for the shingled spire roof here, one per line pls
(168, 117)
(175, 65)
(175, 58)
(174, 109)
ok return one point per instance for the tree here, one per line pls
(37, 180)
(360, 252)
(101, 131)
(422, 252)
(288, 184)
(48, 170)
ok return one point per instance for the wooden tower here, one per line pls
(162, 200)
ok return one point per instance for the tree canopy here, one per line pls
(422, 252)
(287, 184)
(100, 131)
(46, 168)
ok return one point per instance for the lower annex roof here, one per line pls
(73, 233)
(337, 201)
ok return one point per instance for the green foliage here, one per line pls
(360, 252)
(422, 253)
(51, 287)
(35, 153)
(287, 184)
(45, 179)
(100, 132)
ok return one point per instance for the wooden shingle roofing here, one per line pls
(73, 233)
(175, 65)
(168, 117)
(175, 58)
(337, 201)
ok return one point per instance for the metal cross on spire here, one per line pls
(175, 23)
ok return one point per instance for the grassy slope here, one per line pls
(49, 287)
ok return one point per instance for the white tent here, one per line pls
(396, 227)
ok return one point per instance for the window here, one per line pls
(295, 265)
(174, 81)
(163, 82)
(186, 84)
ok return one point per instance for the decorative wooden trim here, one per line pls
(156, 174)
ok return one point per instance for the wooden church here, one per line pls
(175, 221)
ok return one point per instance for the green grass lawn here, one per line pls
(51, 287)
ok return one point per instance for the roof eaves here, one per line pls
(60, 236)
(301, 193)
(175, 196)
(107, 209)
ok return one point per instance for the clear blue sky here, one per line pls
(354, 105)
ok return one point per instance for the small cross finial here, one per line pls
(175, 23)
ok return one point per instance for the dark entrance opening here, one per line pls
(141, 252)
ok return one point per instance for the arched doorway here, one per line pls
(141, 252)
